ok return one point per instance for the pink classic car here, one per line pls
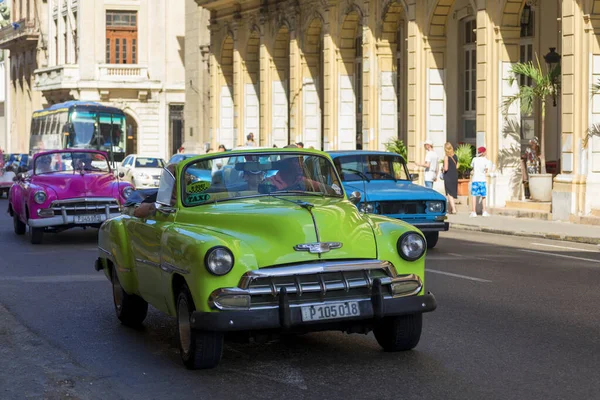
(66, 189)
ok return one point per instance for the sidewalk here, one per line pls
(526, 227)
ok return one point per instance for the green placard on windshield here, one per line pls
(198, 187)
(197, 198)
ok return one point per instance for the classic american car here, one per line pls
(6, 180)
(386, 188)
(288, 253)
(65, 189)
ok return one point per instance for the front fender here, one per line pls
(185, 247)
(387, 231)
(113, 246)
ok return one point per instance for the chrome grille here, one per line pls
(402, 207)
(89, 206)
(307, 286)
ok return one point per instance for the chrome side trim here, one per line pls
(172, 268)
(102, 249)
(316, 268)
(146, 262)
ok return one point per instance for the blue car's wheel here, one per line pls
(432, 239)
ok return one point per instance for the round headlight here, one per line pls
(411, 246)
(127, 192)
(366, 207)
(219, 261)
(436, 206)
(40, 197)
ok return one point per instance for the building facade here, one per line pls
(352, 74)
(128, 54)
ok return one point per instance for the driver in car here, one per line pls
(148, 206)
(291, 177)
(43, 164)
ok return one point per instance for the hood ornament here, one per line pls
(318, 248)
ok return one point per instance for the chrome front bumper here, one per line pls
(65, 219)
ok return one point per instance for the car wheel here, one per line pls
(198, 349)
(399, 333)
(19, 226)
(432, 239)
(130, 308)
(36, 235)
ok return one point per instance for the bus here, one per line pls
(79, 125)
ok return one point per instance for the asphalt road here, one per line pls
(517, 318)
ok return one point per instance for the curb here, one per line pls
(551, 236)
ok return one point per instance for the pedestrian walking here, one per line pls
(450, 176)
(250, 140)
(430, 164)
(481, 166)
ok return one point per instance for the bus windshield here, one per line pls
(80, 127)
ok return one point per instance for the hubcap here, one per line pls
(117, 293)
(185, 330)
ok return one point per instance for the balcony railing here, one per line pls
(22, 30)
(57, 77)
(122, 72)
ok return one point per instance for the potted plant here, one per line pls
(546, 84)
(397, 146)
(464, 153)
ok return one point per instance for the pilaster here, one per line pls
(329, 79)
(370, 81)
(295, 72)
(238, 92)
(265, 86)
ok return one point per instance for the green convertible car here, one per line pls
(267, 244)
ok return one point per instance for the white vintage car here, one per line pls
(6, 180)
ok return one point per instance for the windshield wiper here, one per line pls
(299, 192)
(357, 172)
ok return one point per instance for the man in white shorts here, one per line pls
(481, 166)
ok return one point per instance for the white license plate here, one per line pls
(88, 219)
(330, 311)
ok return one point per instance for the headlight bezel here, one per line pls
(440, 203)
(362, 207)
(400, 242)
(40, 193)
(212, 251)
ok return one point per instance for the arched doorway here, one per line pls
(132, 135)
(226, 95)
(312, 86)
(350, 84)
(280, 88)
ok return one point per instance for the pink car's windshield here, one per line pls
(71, 161)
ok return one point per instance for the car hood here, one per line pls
(149, 171)
(390, 190)
(72, 185)
(272, 227)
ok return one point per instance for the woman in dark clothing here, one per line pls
(451, 176)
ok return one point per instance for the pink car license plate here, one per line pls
(88, 219)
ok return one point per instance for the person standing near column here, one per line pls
(450, 176)
(430, 164)
(481, 166)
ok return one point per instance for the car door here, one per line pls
(146, 237)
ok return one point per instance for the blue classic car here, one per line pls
(385, 187)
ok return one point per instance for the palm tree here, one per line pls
(546, 85)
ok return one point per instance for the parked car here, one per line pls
(6, 180)
(18, 162)
(141, 171)
(288, 253)
(386, 188)
(66, 189)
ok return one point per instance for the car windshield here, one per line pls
(148, 162)
(371, 167)
(71, 162)
(256, 174)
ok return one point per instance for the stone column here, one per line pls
(591, 148)
(416, 81)
(238, 97)
(265, 86)
(329, 81)
(568, 196)
(369, 78)
(215, 90)
(295, 87)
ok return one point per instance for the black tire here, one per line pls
(399, 333)
(36, 235)
(19, 226)
(130, 308)
(432, 239)
(198, 349)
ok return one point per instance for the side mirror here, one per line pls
(121, 174)
(355, 198)
(414, 177)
